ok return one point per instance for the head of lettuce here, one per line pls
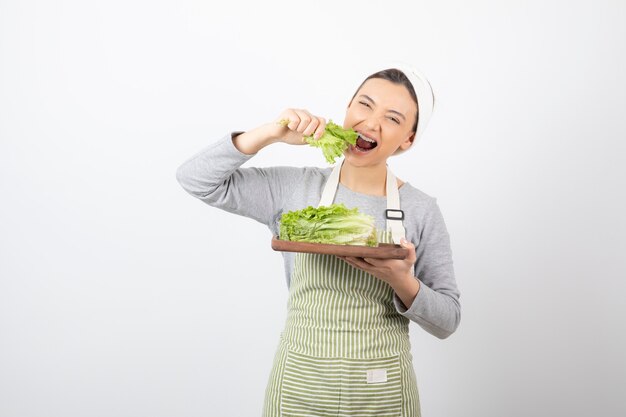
(335, 224)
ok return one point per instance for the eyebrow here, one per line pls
(390, 111)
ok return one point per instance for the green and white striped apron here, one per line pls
(345, 350)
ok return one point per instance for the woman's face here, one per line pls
(383, 113)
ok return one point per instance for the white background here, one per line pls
(121, 295)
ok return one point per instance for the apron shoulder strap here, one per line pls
(330, 189)
(393, 214)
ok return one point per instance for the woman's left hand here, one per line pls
(392, 271)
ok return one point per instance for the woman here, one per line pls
(345, 349)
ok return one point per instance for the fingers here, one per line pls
(306, 119)
(358, 262)
(375, 261)
(320, 128)
(411, 247)
(302, 121)
(316, 127)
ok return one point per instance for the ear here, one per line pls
(406, 144)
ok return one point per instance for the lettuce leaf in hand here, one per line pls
(333, 142)
(335, 224)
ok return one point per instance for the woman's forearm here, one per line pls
(254, 140)
(406, 290)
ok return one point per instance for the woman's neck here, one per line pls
(364, 180)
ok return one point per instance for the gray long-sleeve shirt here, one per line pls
(214, 176)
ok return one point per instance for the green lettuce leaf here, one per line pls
(335, 224)
(334, 141)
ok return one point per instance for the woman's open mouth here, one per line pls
(364, 144)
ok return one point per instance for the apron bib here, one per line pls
(345, 350)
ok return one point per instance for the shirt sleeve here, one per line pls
(213, 175)
(436, 307)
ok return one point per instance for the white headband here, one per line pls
(425, 97)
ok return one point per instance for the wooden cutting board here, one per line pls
(382, 251)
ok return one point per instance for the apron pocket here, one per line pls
(372, 387)
(341, 386)
(311, 386)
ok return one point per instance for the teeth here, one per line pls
(367, 139)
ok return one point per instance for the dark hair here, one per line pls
(397, 77)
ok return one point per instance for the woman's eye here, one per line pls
(365, 104)
(396, 121)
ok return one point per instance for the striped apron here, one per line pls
(345, 350)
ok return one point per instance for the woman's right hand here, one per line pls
(290, 127)
(296, 123)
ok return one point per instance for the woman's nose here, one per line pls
(372, 122)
